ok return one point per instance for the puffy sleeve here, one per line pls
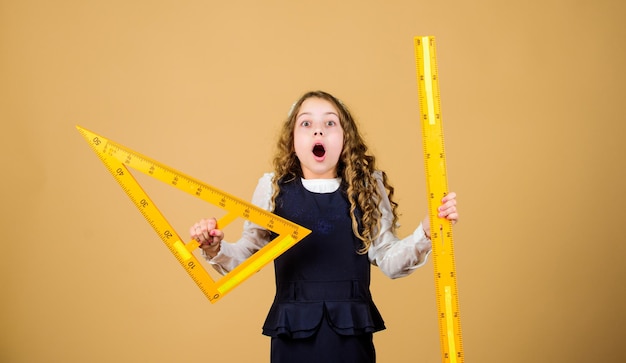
(253, 237)
(394, 256)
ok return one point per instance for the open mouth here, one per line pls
(318, 150)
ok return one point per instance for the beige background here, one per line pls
(531, 96)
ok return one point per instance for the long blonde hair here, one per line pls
(355, 168)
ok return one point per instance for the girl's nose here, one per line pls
(318, 132)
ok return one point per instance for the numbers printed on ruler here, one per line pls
(437, 184)
(117, 159)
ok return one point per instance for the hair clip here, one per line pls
(291, 109)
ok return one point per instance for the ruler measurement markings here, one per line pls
(441, 233)
(156, 169)
(118, 159)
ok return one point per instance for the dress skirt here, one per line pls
(325, 346)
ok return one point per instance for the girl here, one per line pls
(325, 180)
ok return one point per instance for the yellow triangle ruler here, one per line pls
(119, 159)
(437, 185)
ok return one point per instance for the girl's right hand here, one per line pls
(207, 234)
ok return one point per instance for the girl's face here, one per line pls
(318, 138)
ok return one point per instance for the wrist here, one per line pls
(210, 251)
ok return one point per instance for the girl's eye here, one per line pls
(330, 123)
(305, 123)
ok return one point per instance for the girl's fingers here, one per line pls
(448, 197)
(448, 208)
(205, 230)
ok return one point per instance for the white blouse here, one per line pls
(394, 256)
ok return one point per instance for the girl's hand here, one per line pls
(447, 210)
(207, 234)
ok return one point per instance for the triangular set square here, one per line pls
(118, 159)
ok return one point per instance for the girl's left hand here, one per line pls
(447, 210)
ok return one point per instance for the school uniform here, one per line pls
(323, 310)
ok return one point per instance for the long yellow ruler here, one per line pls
(437, 185)
(119, 159)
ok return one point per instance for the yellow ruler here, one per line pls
(437, 185)
(118, 159)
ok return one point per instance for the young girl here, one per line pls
(325, 180)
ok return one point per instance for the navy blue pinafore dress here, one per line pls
(323, 310)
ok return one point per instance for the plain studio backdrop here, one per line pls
(531, 97)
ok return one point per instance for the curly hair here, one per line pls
(355, 168)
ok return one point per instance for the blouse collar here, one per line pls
(321, 185)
